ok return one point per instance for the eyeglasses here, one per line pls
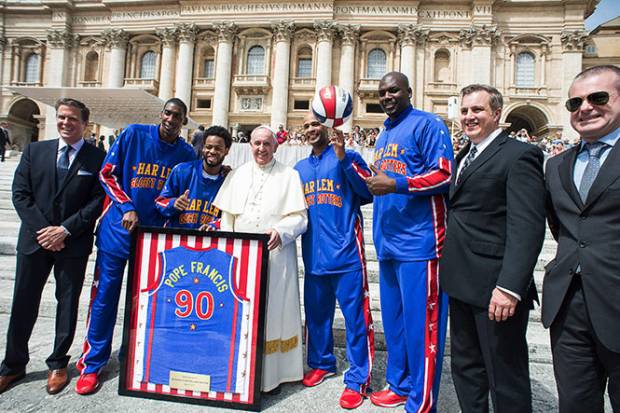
(596, 98)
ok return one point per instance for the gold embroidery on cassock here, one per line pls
(282, 346)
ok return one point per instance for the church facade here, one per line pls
(244, 63)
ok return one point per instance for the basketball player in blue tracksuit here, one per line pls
(413, 167)
(187, 197)
(133, 174)
(334, 260)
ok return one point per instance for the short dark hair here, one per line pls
(496, 101)
(399, 76)
(84, 111)
(179, 103)
(221, 132)
(597, 70)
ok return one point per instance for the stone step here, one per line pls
(30, 395)
(539, 347)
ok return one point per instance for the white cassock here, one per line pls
(256, 198)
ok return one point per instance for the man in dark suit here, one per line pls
(496, 227)
(57, 195)
(4, 139)
(581, 300)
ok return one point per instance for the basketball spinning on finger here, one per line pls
(332, 106)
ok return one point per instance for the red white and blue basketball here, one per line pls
(332, 106)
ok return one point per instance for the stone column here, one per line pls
(480, 39)
(346, 78)
(420, 64)
(282, 33)
(325, 37)
(543, 64)
(116, 41)
(3, 47)
(572, 54)
(407, 38)
(223, 70)
(185, 62)
(59, 43)
(168, 40)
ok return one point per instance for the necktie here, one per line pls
(595, 150)
(62, 167)
(468, 160)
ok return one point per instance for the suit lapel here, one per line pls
(481, 159)
(459, 157)
(50, 163)
(608, 173)
(73, 169)
(565, 169)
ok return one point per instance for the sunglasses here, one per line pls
(596, 98)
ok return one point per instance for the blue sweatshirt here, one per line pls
(416, 150)
(202, 191)
(133, 174)
(334, 190)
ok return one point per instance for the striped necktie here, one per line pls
(62, 167)
(595, 150)
(468, 160)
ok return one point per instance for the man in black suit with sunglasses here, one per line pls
(581, 290)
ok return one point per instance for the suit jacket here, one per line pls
(4, 137)
(588, 234)
(496, 223)
(75, 203)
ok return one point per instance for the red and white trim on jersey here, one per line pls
(363, 173)
(111, 182)
(431, 339)
(162, 202)
(440, 221)
(432, 179)
(370, 330)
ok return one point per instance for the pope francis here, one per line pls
(266, 196)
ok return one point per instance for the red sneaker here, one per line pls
(87, 384)
(315, 377)
(387, 398)
(350, 399)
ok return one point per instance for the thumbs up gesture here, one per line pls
(182, 202)
(380, 183)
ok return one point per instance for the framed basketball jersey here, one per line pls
(194, 317)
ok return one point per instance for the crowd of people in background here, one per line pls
(551, 145)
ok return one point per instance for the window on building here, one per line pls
(203, 103)
(301, 105)
(91, 66)
(31, 69)
(373, 108)
(377, 64)
(147, 65)
(304, 63)
(208, 68)
(590, 49)
(442, 66)
(256, 61)
(525, 70)
(304, 67)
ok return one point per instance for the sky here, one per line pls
(605, 11)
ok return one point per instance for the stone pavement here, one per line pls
(30, 395)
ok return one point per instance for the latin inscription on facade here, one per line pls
(144, 14)
(256, 8)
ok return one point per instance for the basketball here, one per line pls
(332, 106)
